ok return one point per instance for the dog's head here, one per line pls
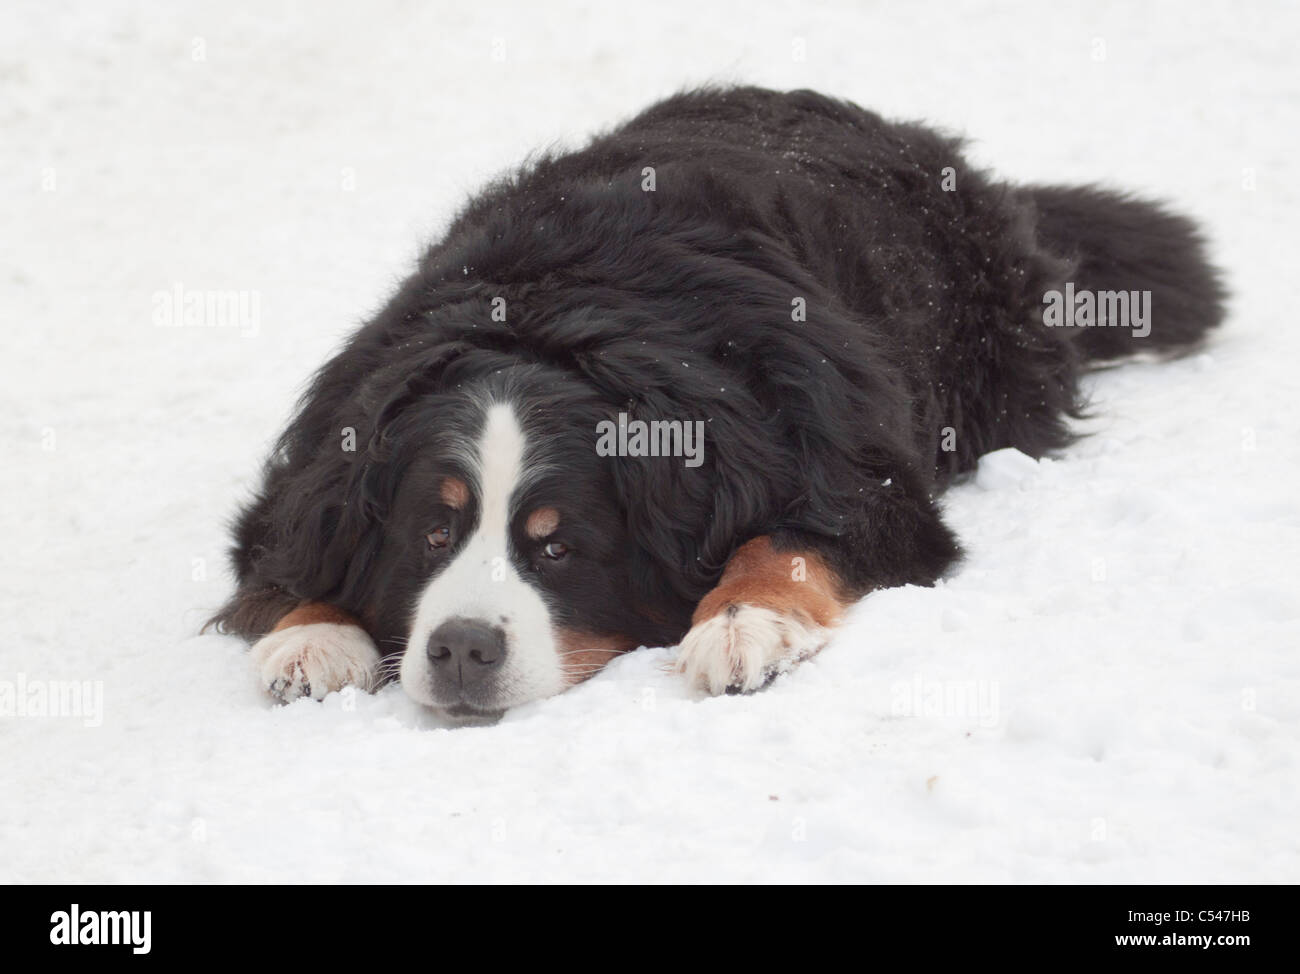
(508, 553)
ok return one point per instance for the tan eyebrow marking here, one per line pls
(542, 522)
(454, 493)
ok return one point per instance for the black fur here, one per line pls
(924, 312)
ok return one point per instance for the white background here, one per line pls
(1127, 618)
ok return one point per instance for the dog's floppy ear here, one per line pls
(381, 402)
(389, 391)
(310, 531)
(685, 519)
(324, 500)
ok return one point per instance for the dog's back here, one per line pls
(945, 272)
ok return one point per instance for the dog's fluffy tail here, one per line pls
(1120, 244)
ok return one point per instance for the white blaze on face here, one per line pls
(482, 583)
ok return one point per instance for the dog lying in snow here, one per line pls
(490, 490)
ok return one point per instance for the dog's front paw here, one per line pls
(315, 659)
(744, 646)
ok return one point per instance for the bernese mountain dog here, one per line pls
(696, 384)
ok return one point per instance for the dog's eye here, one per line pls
(556, 550)
(439, 537)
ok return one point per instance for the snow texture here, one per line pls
(1107, 690)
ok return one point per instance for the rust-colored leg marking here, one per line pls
(793, 582)
(312, 612)
(770, 609)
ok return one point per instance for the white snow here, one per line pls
(1107, 690)
(1004, 469)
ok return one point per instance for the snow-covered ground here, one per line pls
(1107, 690)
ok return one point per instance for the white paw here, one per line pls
(743, 646)
(315, 659)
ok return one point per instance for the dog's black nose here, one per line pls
(466, 651)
